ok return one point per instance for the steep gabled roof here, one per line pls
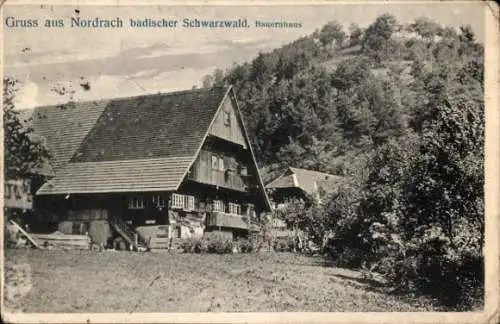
(161, 125)
(307, 180)
(131, 136)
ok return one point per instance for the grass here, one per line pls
(84, 281)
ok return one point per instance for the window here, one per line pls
(215, 162)
(177, 201)
(221, 164)
(218, 206)
(136, 202)
(189, 202)
(234, 208)
(183, 201)
(227, 118)
(80, 228)
(159, 201)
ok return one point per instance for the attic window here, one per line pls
(221, 164)
(227, 118)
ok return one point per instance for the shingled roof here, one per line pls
(152, 126)
(63, 127)
(144, 143)
(160, 174)
(306, 180)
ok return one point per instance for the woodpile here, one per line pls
(63, 241)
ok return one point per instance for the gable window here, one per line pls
(215, 162)
(234, 208)
(136, 202)
(227, 118)
(177, 201)
(221, 164)
(218, 206)
(158, 201)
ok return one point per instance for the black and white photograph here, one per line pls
(250, 162)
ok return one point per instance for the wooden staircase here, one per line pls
(128, 234)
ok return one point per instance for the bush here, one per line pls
(284, 244)
(350, 257)
(218, 243)
(244, 245)
(193, 245)
(10, 237)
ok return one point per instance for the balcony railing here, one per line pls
(226, 220)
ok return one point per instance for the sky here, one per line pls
(130, 61)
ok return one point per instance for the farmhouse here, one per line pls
(150, 167)
(303, 184)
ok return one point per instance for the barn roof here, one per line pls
(307, 180)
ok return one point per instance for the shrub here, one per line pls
(245, 245)
(10, 237)
(284, 244)
(434, 266)
(350, 257)
(193, 245)
(218, 243)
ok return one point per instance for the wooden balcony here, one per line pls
(217, 219)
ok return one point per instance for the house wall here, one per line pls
(91, 221)
(284, 195)
(220, 167)
(226, 124)
(80, 214)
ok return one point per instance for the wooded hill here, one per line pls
(333, 94)
(398, 109)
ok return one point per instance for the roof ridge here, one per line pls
(171, 93)
(134, 160)
(307, 170)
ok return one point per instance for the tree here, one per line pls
(377, 41)
(332, 33)
(218, 77)
(23, 154)
(355, 34)
(425, 28)
(208, 81)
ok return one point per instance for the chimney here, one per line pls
(295, 181)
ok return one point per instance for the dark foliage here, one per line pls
(403, 120)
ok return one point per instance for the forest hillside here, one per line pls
(398, 111)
